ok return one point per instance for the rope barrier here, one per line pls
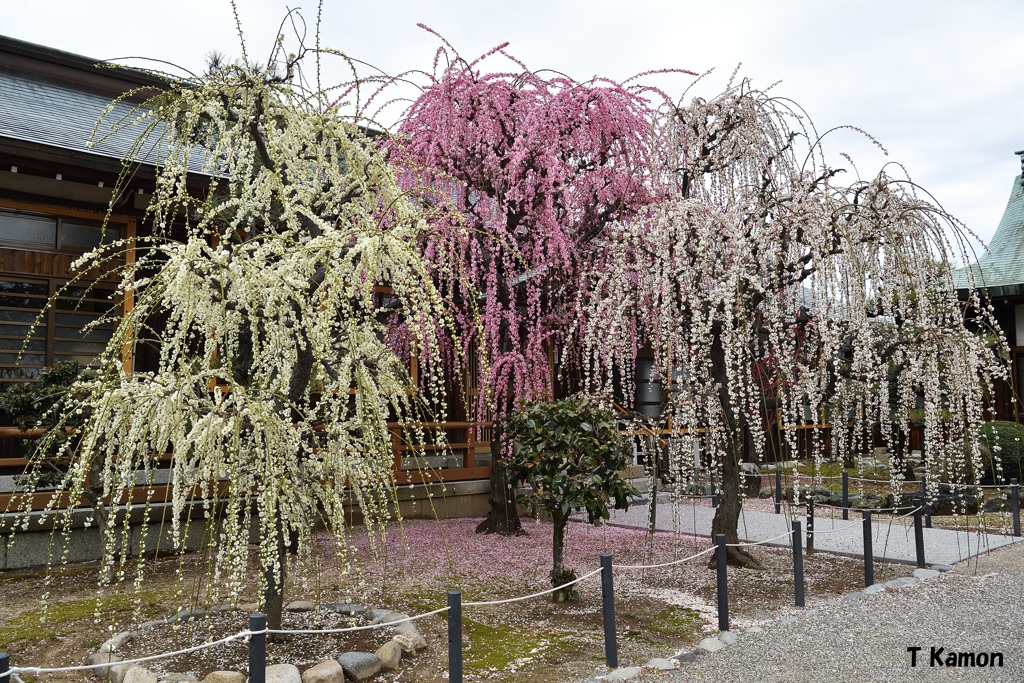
(743, 545)
(35, 671)
(664, 564)
(818, 532)
(919, 507)
(532, 595)
(368, 627)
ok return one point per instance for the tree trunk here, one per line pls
(558, 573)
(727, 516)
(503, 516)
(273, 594)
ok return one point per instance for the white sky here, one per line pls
(939, 82)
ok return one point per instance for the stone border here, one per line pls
(726, 638)
(356, 666)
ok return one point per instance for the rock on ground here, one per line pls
(283, 673)
(390, 655)
(224, 677)
(359, 666)
(139, 674)
(324, 672)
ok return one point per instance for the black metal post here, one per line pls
(869, 569)
(778, 489)
(810, 526)
(1015, 506)
(846, 495)
(927, 509)
(455, 636)
(798, 564)
(611, 646)
(257, 648)
(5, 666)
(919, 538)
(723, 588)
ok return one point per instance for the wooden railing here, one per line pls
(453, 458)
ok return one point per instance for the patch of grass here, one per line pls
(676, 622)
(495, 648)
(37, 627)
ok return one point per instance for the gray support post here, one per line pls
(258, 648)
(778, 489)
(455, 636)
(5, 666)
(869, 569)
(924, 502)
(652, 520)
(846, 495)
(723, 587)
(919, 539)
(1015, 506)
(810, 525)
(611, 646)
(798, 564)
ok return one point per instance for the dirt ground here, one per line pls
(660, 612)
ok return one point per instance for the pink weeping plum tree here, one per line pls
(535, 165)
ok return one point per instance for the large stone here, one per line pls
(926, 573)
(728, 637)
(626, 673)
(408, 630)
(390, 655)
(300, 606)
(224, 677)
(661, 664)
(115, 642)
(386, 617)
(138, 674)
(283, 673)
(711, 645)
(324, 672)
(186, 615)
(173, 677)
(874, 588)
(109, 662)
(345, 608)
(249, 607)
(901, 582)
(359, 666)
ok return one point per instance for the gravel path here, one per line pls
(979, 607)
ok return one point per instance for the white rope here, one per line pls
(663, 564)
(35, 671)
(532, 595)
(919, 507)
(369, 627)
(815, 532)
(769, 540)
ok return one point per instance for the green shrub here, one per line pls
(1009, 438)
(572, 457)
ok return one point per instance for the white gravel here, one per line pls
(977, 608)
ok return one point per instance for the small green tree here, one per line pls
(572, 456)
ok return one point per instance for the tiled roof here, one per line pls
(1001, 270)
(55, 113)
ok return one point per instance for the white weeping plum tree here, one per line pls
(771, 292)
(276, 380)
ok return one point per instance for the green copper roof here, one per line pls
(1001, 270)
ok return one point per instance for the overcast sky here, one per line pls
(938, 82)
